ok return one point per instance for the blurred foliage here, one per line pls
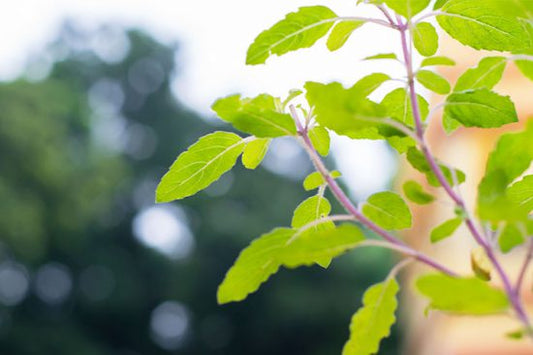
(80, 154)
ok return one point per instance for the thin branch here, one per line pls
(368, 19)
(429, 14)
(514, 298)
(524, 267)
(349, 206)
(386, 13)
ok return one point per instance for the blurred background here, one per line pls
(96, 101)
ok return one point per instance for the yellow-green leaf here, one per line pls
(341, 32)
(254, 152)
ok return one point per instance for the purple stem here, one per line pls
(525, 265)
(513, 296)
(349, 206)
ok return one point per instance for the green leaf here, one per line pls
(419, 162)
(480, 108)
(382, 56)
(445, 229)
(510, 237)
(372, 322)
(254, 152)
(202, 164)
(495, 202)
(414, 192)
(292, 95)
(481, 25)
(433, 81)
(319, 136)
(257, 116)
(310, 210)
(254, 266)
(315, 180)
(283, 246)
(398, 105)
(407, 8)
(388, 210)
(462, 295)
(345, 111)
(341, 32)
(439, 4)
(425, 39)
(308, 247)
(439, 60)
(486, 75)
(297, 30)
(521, 193)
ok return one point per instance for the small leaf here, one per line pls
(474, 23)
(372, 322)
(254, 152)
(445, 229)
(407, 8)
(297, 30)
(388, 210)
(294, 93)
(315, 180)
(319, 136)
(202, 164)
(462, 295)
(310, 210)
(283, 246)
(414, 192)
(382, 56)
(480, 264)
(418, 161)
(368, 84)
(433, 82)
(510, 237)
(480, 108)
(426, 62)
(341, 32)
(425, 39)
(486, 75)
(257, 116)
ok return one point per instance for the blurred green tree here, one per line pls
(90, 266)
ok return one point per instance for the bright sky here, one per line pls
(214, 36)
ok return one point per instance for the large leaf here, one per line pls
(372, 322)
(462, 295)
(488, 73)
(495, 202)
(418, 161)
(254, 152)
(425, 39)
(257, 116)
(407, 8)
(388, 210)
(345, 111)
(341, 32)
(202, 164)
(297, 30)
(482, 25)
(433, 81)
(283, 246)
(480, 108)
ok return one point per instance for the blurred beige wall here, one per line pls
(467, 149)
